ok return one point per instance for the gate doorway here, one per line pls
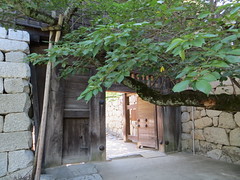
(131, 125)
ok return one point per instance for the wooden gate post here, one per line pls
(41, 137)
(97, 129)
(126, 118)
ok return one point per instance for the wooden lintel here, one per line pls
(52, 28)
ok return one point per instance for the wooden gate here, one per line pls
(156, 127)
(147, 124)
(75, 129)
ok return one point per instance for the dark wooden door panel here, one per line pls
(75, 140)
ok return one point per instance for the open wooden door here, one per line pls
(147, 124)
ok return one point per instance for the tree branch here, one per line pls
(223, 102)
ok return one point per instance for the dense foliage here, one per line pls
(193, 42)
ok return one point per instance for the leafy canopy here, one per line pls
(193, 42)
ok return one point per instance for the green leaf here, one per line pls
(153, 57)
(120, 78)
(234, 52)
(95, 92)
(203, 86)
(174, 44)
(122, 41)
(159, 23)
(216, 74)
(203, 15)
(209, 35)
(209, 77)
(229, 39)
(233, 59)
(216, 47)
(192, 74)
(198, 42)
(88, 96)
(181, 86)
(182, 54)
(218, 63)
(184, 72)
(96, 50)
(107, 84)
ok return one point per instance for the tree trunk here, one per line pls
(223, 102)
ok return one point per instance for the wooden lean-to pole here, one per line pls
(41, 136)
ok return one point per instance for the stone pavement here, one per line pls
(178, 166)
(145, 165)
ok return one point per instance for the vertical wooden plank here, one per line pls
(126, 118)
(54, 132)
(160, 128)
(172, 126)
(97, 127)
(36, 109)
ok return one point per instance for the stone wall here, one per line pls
(16, 157)
(216, 134)
(114, 114)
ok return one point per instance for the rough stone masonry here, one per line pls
(216, 133)
(16, 157)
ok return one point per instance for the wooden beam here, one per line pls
(160, 128)
(41, 137)
(54, 131)
(97, 127)
(126, 118)
(52, 28)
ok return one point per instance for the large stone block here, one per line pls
(214, 154)
(1, 124)
(183, 108)
(203, 113)
(20, 160)
(224, 90)
(198, 134)
(186, 136)
(235, 137)
(213, 113)
(17, 122)
(14, 103)
(16, 85)
(18, 57)
(187, 127)
(195, 115)
(203, 122)
(185, 117)
(186, 145)
(233, 152)
(14, 70)
(226, 158)
(15, 141)
(207, 146)
(7, 45)
(215, 121)
(3, 164)
(237, 118)
(3, 33)
(216, 135)
(18, 35)
(19, 175)
(1, 56)
(226, 121)
(1, 85)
